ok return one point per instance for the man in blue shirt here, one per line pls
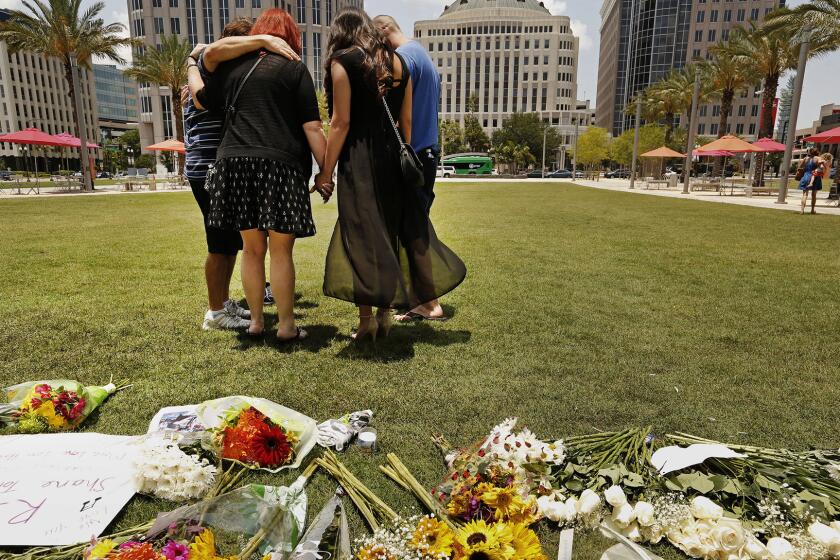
(425, 83)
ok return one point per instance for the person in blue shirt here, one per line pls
(424, 130)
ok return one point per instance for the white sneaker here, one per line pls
(224, 321)
(233, 308)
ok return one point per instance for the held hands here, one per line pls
(278, 46)
(324, 185)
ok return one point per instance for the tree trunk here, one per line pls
(68, 75)
(765, 127)
(725, 111)
(178, 110)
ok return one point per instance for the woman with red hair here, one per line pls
(258, 185)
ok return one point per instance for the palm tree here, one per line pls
(164, 66)
(771, 52)
(821, 16)
(727, 74)
(60, 29)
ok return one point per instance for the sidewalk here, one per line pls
(824, 206)
(50, 191)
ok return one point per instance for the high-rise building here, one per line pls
(644, 40)
(116, 96)
(202, 21)
(508, 56)
(34, 93)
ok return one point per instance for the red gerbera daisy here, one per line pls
(270, 446)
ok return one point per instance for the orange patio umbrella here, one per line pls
(663, 152)
(170, 145)
(729, 143)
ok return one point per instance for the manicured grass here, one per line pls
(583, 310)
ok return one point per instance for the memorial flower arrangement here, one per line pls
(250, 437)
(201, 547)
(500, 477)
(257, 433)
(52, 406)
(164, 470)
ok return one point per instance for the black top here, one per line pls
(272, 107)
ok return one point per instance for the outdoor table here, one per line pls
(656, 182)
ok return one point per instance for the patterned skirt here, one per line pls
(258, 193)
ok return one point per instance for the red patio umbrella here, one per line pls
(73, 141)
(32, 136)
(717, 153)
(769, 145)
(828, 137)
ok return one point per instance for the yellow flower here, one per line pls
(459, 504)
(524, 512)
(204, 546)
(48, 413)
(101, 549)
(433, 537)
(525, 543)
(479, 541)
(504, 501)
(372, 552)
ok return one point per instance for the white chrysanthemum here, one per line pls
(167, 472)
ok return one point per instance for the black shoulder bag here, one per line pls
(412, 168)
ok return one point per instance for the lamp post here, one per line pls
(692, 126)
(636, 141)
(545, 136)
(575, 154)
(804, 45)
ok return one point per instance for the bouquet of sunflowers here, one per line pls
(52, 406)
(257, 433)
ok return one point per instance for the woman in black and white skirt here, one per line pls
(259, 182)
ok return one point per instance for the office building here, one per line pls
(508, 56)
(34, 93)
(202, 21)
(642, 41)
(116, 97)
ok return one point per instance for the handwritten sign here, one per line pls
(62, 489)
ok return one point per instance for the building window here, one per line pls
(173, 3)
(158, 26)
(301, 11)
(701, 128)
(192, 28)
(156, 3)
(316, 12)
(207, 8)
(712, 35)
(741, 14)
(698, 35)
(166, 109)
(316, 57)
(754, 14)
(739, 128)
(701, 16)
(175, 26)
(727, 15)
(752, 129)
(754, 111)
(742, 110)
(713, 16)
(713, 130)
(224, 13)
(329, 11)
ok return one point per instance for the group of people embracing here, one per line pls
(252, 130)
(811, 172)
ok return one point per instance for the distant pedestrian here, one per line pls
(815, 168)
(425, 82)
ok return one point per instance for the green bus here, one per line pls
(469, 164)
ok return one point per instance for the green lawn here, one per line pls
(583, 310)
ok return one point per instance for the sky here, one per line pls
(822, 85)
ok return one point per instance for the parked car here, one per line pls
(5, 175)
(445, 171)
(560, 174)
(103, 175)
(580, 174)
(536, 174)
(617, 174)
(77, 174)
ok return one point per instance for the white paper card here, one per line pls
(675, 458)
(62, 489)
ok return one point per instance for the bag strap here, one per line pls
(393, 124)
(244, 80)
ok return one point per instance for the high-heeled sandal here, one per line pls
(371, 330)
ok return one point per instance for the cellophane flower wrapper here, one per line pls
(213, 414)
(93, 396)
(275, 514)
(328, 535)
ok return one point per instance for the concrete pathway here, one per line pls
(50, 191)
(824, 206)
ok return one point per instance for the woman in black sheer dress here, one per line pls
(384, 252)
